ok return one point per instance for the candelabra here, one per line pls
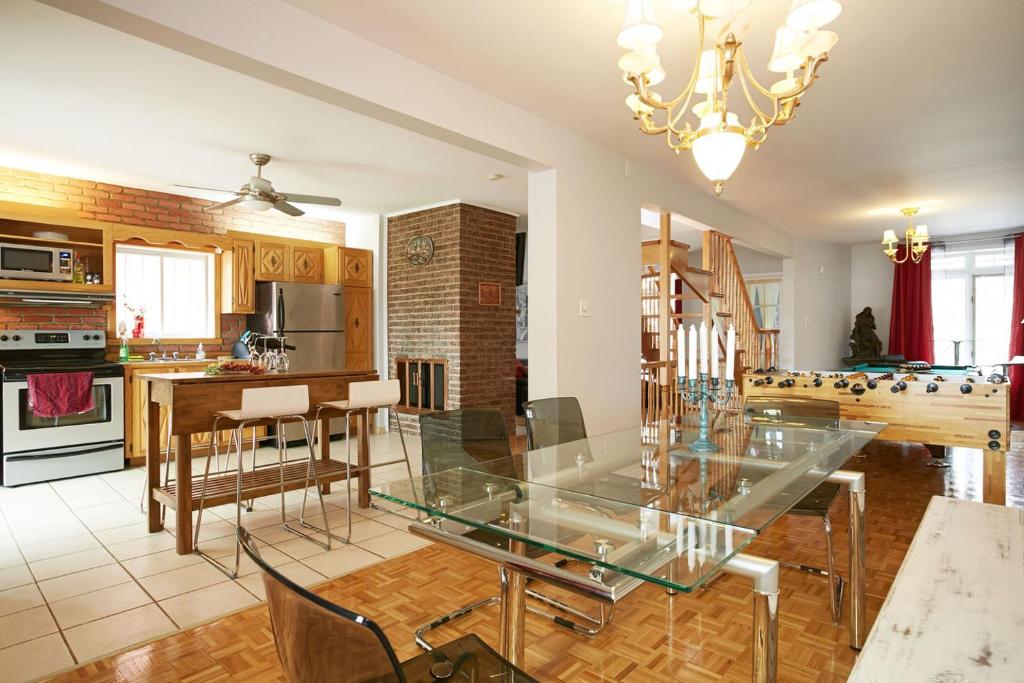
(702, 392)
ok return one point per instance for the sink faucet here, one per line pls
(160, 348)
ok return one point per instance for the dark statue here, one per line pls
(863, 341)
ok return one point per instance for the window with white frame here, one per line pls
(972, 300)
(172, 288)
(765, 296)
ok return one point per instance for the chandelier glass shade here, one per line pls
(718, 139)
(915, 240)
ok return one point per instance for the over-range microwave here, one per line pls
(29, 262)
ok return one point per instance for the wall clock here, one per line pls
(420, 250)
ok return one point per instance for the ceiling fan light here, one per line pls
(718, 153)
(786, 55)
(722, 8)
(639, 30)
(808, 15)
(257, 204)
(818, 43)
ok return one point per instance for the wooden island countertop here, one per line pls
(193, 398)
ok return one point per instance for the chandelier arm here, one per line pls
(688, 91)
(766, 120)
(795, 92)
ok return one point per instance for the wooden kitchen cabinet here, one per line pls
(273, 261)
(358, 328)
(136, 397)
(239, 277)
(307, 264)
(357, 267)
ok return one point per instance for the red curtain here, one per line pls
(911, 332)
(1017, 332)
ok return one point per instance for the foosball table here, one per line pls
(938, 407)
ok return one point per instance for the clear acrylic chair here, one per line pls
(318, 641)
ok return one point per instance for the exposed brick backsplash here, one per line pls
(133, 206)
(434, 310)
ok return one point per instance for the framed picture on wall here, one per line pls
(490, 294)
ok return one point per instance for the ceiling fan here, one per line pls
(259, 195)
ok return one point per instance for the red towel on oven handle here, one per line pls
(60, 393)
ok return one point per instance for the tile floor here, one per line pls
(81, 577)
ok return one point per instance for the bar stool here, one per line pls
(279, 405)
(362, 396)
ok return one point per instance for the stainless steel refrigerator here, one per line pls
(312, 318)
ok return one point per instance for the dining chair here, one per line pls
(796, 411)
(477, 439)
(319, 641)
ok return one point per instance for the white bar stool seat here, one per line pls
(382, 394)
(262, 405)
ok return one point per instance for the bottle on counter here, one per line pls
(200, 352)
(123, 355)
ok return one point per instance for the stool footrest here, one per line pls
(221, 488)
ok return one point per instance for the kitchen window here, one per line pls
(172, 288)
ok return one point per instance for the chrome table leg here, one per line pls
(765, 575)
(858, 609)
(513, 606)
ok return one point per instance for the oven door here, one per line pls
(24, 431)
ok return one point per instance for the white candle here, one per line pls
(730, 352)
(680, 351)
(714, 350)
(703, 348)
(691, 367)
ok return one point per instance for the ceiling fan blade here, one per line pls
(211, 189)
(285, 207)
(310, 199)
(223, 204)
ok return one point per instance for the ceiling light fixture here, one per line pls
(916, 240)
(719, 141)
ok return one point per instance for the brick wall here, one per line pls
(133, 206)
(434, 311)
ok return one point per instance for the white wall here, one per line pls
(871, 275)
(816, 307)
(583, 199)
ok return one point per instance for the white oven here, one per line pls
(44, 448)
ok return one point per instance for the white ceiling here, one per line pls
(88, 101)
(920, 102)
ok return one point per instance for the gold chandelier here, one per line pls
(916, 240)
(719, 141)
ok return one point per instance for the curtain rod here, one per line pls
(977, 239)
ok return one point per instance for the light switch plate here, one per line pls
(584, 308)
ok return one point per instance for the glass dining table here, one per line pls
(636, 505)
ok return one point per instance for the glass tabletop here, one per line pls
(637, 501)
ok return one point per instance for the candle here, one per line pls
(730, 352)
(714, 350)
(703, 348)
(691, 367)
(680, 349)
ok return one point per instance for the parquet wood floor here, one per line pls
(699, 637)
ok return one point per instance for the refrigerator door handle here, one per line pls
(280, 311)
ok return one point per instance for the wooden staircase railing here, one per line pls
(758, 348)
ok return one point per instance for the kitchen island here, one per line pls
(192, 399)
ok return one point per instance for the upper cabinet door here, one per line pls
(308, 264)
(273, 261)
(241, 277)
(357, 267)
